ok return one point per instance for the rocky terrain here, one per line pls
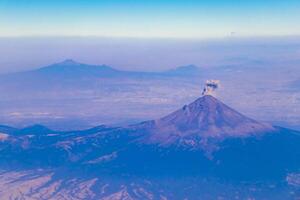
(204, 150)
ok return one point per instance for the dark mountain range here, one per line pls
(65, 71)
(72, 69)
(70, 75)
(204, 150)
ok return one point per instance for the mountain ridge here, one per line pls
(69, 65)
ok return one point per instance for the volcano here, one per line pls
(206, 117)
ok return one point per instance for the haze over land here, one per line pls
(146, 54)
(260, 77)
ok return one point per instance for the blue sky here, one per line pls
(165, 18)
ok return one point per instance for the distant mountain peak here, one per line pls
(69, 62)
(73, 68)
(206, 117)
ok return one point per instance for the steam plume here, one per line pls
(210, 87)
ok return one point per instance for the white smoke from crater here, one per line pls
(210, 87)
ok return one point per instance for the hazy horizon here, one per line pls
(146, 54)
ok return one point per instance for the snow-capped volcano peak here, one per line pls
(206, 117)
